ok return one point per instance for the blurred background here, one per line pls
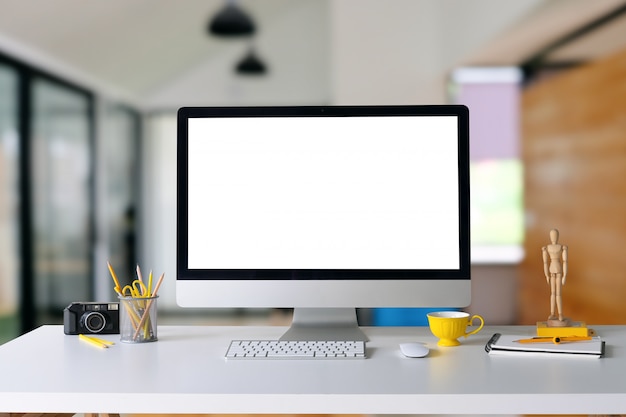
(89, 92)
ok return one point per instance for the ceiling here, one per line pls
(548, 30)
(128, 45)
(134, 47)
(593, 42)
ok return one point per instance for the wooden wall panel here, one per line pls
(574, 152)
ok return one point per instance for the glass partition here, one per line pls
(119, 172)
(61, 198)
(9, 205)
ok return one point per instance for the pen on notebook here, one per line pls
(556, 340)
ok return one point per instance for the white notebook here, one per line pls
(509, 344)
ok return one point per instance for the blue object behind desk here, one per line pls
(403, 316)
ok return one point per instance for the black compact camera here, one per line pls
(90, 318)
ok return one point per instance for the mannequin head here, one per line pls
(554, 236)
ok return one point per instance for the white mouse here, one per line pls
(414, 350)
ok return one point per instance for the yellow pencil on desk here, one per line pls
(556, 340)
(101, 343)
(106, 342)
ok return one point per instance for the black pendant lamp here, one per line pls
(251, 65)
(231, 21)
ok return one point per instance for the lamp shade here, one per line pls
(231, 21)
(251, 65)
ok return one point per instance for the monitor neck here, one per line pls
(329, 324)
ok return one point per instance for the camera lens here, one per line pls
(94, 322)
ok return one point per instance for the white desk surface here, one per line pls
(185, 372)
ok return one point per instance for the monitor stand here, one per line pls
(328, 324)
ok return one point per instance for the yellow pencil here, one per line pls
(92, 341)
(118, 287)
(158, 284)
(106, 342)
(147, 310)
(150, 284)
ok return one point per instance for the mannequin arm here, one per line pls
(546, 271)
(564, 264)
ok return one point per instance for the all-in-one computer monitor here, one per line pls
(323, 209)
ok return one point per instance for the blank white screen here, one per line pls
(323, 193)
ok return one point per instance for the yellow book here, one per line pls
(577, 328)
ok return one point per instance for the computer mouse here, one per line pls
(414, 350)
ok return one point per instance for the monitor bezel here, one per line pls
(459, 111)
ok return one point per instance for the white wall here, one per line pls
(401, 52)
(157, 222)
(386, 52)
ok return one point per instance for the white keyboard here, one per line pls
(283, 349)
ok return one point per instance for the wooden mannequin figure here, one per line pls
(555, 270)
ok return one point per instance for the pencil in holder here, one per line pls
(138, 319)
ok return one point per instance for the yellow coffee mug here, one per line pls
(448, 326)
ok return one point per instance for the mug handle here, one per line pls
(482, 323)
